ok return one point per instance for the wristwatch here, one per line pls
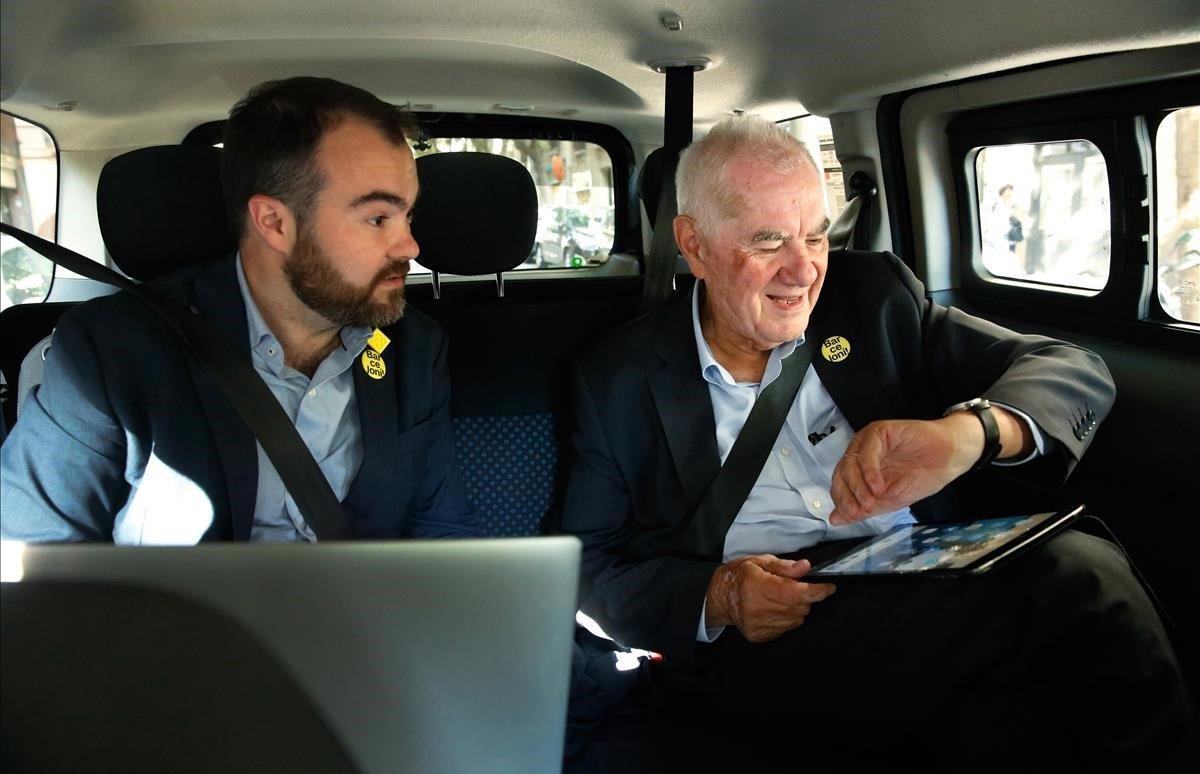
(991, 430)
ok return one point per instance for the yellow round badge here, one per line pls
(372, 363)
(835, 349)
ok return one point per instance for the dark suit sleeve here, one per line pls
(62, 467)
(639, 596)
(1066, 390)
(440, 507)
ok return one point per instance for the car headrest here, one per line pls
(477, 213)
(162, 208)
(649, 183)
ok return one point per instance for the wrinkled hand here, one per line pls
(894, 463)
(761, 596)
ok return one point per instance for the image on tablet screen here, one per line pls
(923, 547)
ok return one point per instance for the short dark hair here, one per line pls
(272, 134)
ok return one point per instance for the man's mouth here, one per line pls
(786, 302)
(394, 278)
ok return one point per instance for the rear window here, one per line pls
(29, 201)
(817, 135)
(1044, 213)
(1177, 179)
(574, 182)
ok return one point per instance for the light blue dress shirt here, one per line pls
(324, 411)
(788, 507)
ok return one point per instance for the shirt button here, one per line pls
(785, 451)
(312, 393)
(816, 504)
(270, 351)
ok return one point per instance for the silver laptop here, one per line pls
(423, 656)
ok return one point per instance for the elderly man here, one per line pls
(885, 422)
(128, 440)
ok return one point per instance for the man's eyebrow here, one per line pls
(770, 235)
(822, 229)
(380, 196)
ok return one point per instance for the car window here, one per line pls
(817, 135)
(574, 184)
(28, 200)
(1044, 213)
(1177, 180)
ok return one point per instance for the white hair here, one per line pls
(700, 186)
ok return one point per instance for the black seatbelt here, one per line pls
(239, 383)
(729, 490)
(677, 135)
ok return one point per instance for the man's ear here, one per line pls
(273, 221)
(687, 237)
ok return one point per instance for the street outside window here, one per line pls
(29, 201)
(1177, 201)
(574, 182)
(1044, 213)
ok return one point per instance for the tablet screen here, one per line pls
(917, 548)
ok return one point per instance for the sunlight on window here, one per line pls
(1044, 213)
(1177, 162)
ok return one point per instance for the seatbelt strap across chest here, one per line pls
(237, 380)
(723, 499)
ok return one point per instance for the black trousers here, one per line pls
(1057, 657)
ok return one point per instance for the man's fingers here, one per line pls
(852, 497)
(787, 568)
(788, 592)
(870, 461)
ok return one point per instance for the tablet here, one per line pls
(945, 550)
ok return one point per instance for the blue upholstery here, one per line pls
(509, 465)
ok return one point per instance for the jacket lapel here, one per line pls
(852, 382)
(683, 404)
(379, 407)
(217, 298)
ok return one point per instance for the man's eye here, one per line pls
(378, 220)
(410, 215)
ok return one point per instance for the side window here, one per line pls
(817, 135)
(1044, 213)
(574, 183)
(1177, 199)
(28, 200)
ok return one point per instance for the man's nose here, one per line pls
(798, 267)
(405, 246)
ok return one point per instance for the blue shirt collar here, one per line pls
(716, 374)
(264, 343)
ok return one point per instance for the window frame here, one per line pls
(58, 171)
(967, 147)
(1121, 122)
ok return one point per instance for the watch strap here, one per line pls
(982, 409)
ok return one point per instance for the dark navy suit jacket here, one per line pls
(124, 408)
(645, 438)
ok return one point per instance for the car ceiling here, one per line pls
(145, 71)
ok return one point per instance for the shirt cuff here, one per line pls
(1039, 440)
(707, 633)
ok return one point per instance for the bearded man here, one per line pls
(129, 440)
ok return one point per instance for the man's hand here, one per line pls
(761, 596)
(894, 463)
